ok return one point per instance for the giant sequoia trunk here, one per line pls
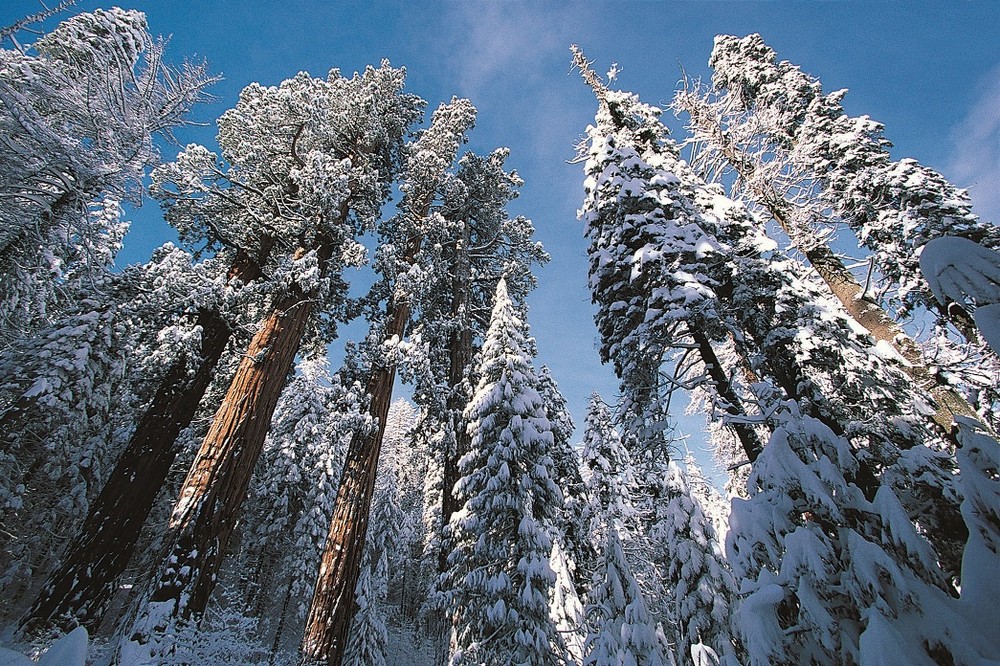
(207, 510)
(459, 358)
(332, 608)
(78, 592)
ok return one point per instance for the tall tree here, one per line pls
(368, 640)
(426, 162)
(460, 263)
(655, 267)
(774, 313)
(608, 471)
(800, 158)
(573, 526)
(179, 365)
(78, 112)
(499, 578)
(306, 189)
(703, 273)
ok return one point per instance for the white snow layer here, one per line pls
(69, 650)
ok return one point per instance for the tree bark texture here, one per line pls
(207, 510)
(948, 402)
(79, 591)
(333, 604)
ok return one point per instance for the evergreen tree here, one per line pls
(712, 502)
(832, 576)
(573, 527)
(368, 638)
(565, 607)
(426, 161)
(294, 198)
(809, 166)
(979, 456)
(608, 470)
(620, 628)
(656, 267)
(167, 372)
(78, 110)
(699, 585)
(774, 313)
(499, 578)
(460, 262)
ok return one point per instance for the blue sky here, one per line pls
(930, 71)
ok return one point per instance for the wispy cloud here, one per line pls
(975, 161)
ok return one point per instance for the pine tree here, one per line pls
(608, 471)
(290, 497)
(979, 457)
(656, 267)
(712, 502)
(837, 395)
(460, 262)
(573, 526)
(621, 629)
(565, 608)
(499, 578)
(368, 637)
(699, 586)
(799, 157)
(832, 576)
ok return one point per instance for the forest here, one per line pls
(199, 466)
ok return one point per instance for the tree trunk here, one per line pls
(746, 432)
(851, 295)
(210, 498)
(459, 358)
(333, 605)
(79, 591)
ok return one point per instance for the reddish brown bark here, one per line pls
(79, 591)
(333, 605)
(207, 510)
(459, 358)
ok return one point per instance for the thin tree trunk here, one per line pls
(333, 604)
(79, 591)
(746, 432)
(949, 403)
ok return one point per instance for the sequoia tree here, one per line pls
(310, 162)
(426, 162)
